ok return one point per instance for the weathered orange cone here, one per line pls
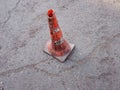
(58, 47)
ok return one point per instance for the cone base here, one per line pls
(60, 58)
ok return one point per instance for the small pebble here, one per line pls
(1, 86)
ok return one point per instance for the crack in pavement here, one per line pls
(33, 66)
(19, 69)
(9, 13)
(50, 74)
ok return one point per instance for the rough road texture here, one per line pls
(92, 25)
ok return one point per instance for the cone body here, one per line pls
(57, 46)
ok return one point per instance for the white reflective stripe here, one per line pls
(56, 30)
(59, 42)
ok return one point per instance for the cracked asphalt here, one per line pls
(92, 25)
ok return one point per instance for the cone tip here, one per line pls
(50, 12)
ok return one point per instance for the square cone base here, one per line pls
(60, 58)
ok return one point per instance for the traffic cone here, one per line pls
(57, 47)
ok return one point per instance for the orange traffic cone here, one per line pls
(58, 47)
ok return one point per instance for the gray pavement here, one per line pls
(92, 25)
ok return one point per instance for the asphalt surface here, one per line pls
(92, 25)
